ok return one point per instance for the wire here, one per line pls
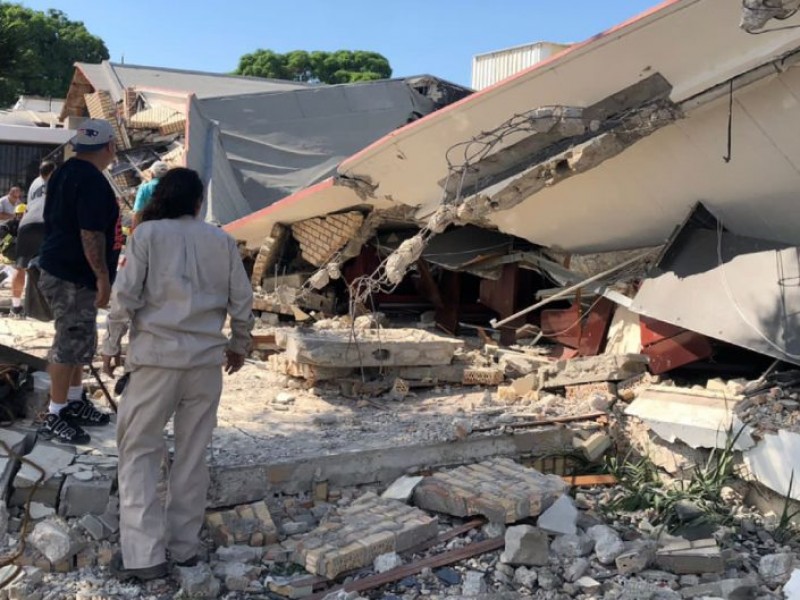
(727, 157)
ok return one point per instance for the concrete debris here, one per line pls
(594, 446)
(499, 489)
(80, 496)
(776, 569)
(368, 348)
(592, 369)
(560, 519)
(607, 543)
(387, 562)
(401, 259)
(526, 545)
(686, 557)
(52, 538)
(728, 589)
(699, 418)
(198, 582)
(402, 489)
(572, 545)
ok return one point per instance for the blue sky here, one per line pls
(438, 37)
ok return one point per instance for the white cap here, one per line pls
(92, 135)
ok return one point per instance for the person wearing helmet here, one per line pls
(157, 170)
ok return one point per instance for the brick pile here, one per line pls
(354, 536)
(249, 524)
(499, 489)
(101, 106)
(483, 376)
(320, 238)
(268, 254)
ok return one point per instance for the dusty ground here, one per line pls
(262, 420)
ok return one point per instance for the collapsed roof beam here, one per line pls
(548, 131)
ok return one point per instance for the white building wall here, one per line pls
(489, 68)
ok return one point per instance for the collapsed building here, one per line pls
(651, 204)
(252, 140)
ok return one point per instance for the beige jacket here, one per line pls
(180, 280)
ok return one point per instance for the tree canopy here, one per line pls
(342, 66)
(38, 50)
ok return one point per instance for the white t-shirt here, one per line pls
(6, 206)
(35, 210)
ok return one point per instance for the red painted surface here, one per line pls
(654, 331)
(587, 335)
(682, 349)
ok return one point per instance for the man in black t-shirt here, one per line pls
(78, 260)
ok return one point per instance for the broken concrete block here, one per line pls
(402, 489)
(40, 511)
(53, 540)
(591, 369)
(51, 459)
(572, 546)
(588, 585)
(525, 577)
(685, 557)
(368, 348)
(93, 526)
(635, 561)
(776, 569)
(387, 562)
(607, 543)
(593, 447)
(499, 489)
(698, 418)
(561, 518)
(773, 462)
(80, 497)
(526, 545)
(729, 589)
(246, 524)
(198, 582)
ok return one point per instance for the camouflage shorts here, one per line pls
(75, 314)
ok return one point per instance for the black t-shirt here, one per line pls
(79, 197)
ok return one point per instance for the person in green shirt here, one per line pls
(158, 169)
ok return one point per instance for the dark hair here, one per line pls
(47, 167)
(177, 194)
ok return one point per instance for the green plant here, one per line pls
(643, 488)
(786, 530)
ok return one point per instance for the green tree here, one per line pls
(38, 50)
(342, 66)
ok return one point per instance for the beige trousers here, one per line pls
(147, 528)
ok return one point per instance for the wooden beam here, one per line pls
(589, 480)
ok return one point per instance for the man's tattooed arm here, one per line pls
(94, 248)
